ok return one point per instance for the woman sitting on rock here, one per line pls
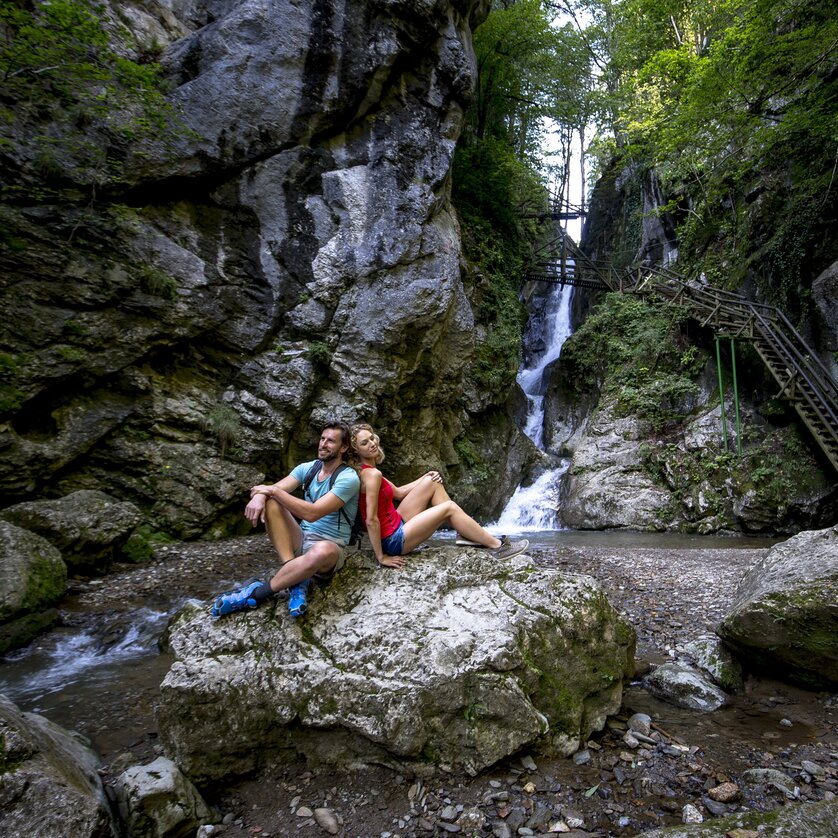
(424, 506)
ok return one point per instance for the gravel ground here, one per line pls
(669, 595)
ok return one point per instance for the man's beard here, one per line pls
(337, 455)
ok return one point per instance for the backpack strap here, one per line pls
(312, 473)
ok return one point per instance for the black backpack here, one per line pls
(356, 527)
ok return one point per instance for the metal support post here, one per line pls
(721, 392)
(735, 396)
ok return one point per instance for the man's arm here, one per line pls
(255, 510)
(302, 509)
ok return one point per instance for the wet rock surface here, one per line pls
(638, 775)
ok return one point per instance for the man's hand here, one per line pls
(255, 510)
(392, 561)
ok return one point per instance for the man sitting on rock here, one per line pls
(313, 547)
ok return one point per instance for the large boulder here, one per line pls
(456, 660)
(785, 618)
(49, 785)
(87, 526)
(33, 578)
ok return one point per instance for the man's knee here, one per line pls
(321, 556)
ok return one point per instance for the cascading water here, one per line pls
(534, 507)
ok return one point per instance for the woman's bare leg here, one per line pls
(423, 525)
(427, 493)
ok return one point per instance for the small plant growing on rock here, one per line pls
(224, 423)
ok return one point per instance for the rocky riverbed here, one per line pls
(773, 746)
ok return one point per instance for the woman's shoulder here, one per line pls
(368, 473)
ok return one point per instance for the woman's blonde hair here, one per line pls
(354, 460)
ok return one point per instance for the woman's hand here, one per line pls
(435, 476)
(392, 561)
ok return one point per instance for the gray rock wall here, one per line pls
(288, 257)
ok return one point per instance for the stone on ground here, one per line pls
(711, 656)
(685, 686)
(157, 800)
(785, 618)
(456, 660)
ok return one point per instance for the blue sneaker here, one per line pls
(298, 600)
(238, 600)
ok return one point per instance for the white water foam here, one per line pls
(535, 507)
(61, 659)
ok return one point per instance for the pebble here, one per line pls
(786, 723)
(812, 768)
(528, 763)
(529, 788)
(724, 793)
(690, 814)
(630, 740)
(449, 813)
(326, 820)
(558, 826)
(304, 812)
(501, 830)
(640, 723)
(582, 757)
(228, 818)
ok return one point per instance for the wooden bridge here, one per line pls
(802, 377)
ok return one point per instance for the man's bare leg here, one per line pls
(283, 530)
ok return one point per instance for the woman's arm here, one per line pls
(400, 492)
(371, 481)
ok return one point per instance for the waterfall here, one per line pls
(534, 507)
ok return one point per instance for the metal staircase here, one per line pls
(802, 377)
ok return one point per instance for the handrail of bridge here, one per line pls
(710, 298)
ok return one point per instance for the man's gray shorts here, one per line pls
(310, 539)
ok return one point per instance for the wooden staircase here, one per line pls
(801, 376)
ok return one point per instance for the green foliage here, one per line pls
(320, 354)
(734, 105)
(636, 353)
(224, 423)
(156, 282)
(11, 398)
(470, 457)
(75, 104)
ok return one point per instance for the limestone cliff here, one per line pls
(288, 255)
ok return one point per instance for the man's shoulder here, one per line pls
(348, 475)
(301, 470)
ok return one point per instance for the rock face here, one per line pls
(33, 577)
(48, 781)
(455, 660)
(623, 474)
(87, 526)
(785, 618)
(289, 255)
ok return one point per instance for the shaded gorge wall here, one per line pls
(286, 255)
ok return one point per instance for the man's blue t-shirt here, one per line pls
(336, 526)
